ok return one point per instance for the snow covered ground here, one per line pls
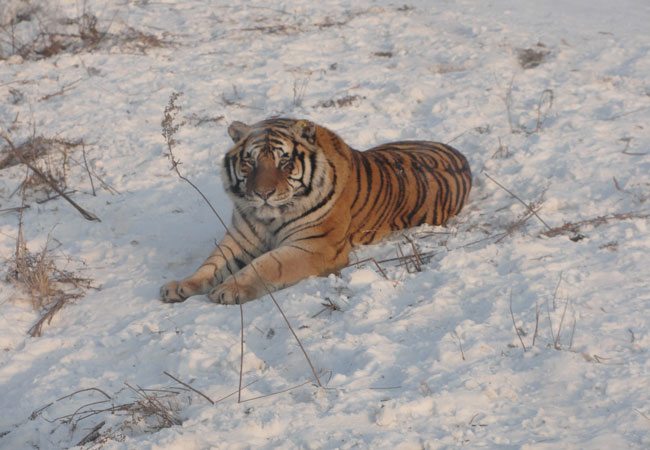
(550, 99)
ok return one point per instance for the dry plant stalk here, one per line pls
(168, 131)
(514, 324)
(548, 309)
(188, 386)
(152, 405)
(573, 227)
(417, 259)
(460, 345)
(536, 323)
(73, 35)
(330, 305)
(528, 207)
(546, 98)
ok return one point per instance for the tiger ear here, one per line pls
(237, 130)
(306, 130)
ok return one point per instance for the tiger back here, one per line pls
(406, 184)
(302, 198)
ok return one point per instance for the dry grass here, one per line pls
(555, 335)
(348, 100)
(34, 274)
(573, 228)
(49, 156)
(50, 177)
(543, 107)
(34, 34)
(532, 57)
(329, 306)
(147, 410)
(46, 287)
(286, 24)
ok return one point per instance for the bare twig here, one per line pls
(295, 336)
(547, 94)
(595, 221)
(61, 91)
(276, 393)
(573, 330)
(241, 352)
(632, 337)
(156, 407)
(52, 197)
(104, 184)
(528, 207)
(329, 305)
(627, 113)
(405, 259)
(642, 415)
(376, 264)
(548, 310)
(460, 345)
(85, 390)
(514, 324)
(235, 392)
(299, 88)
(93, 435)
(514, 227)
(20, 240)
(87, 215)
(14, 209)
(556, 343)
(416, 253)
(536, 322)
(188, 386)
(35, 330)
(92, 184)
(627, 141)
(281, 391)
(508, 101)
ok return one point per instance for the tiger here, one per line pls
(303, 199)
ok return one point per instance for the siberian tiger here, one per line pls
(303, 199)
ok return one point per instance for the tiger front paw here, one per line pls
(227, 294)
(172, 292)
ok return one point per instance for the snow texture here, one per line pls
(551, 100)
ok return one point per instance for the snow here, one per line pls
(426, 359)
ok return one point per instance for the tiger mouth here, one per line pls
(274, 203)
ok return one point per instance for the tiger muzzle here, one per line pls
(264, 180)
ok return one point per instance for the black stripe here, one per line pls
(300, 248)
(313, 236)
(368, 171)
(357, 167)
(320, 204)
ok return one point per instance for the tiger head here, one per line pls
(275, 168)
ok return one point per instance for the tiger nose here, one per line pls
(264, 193)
